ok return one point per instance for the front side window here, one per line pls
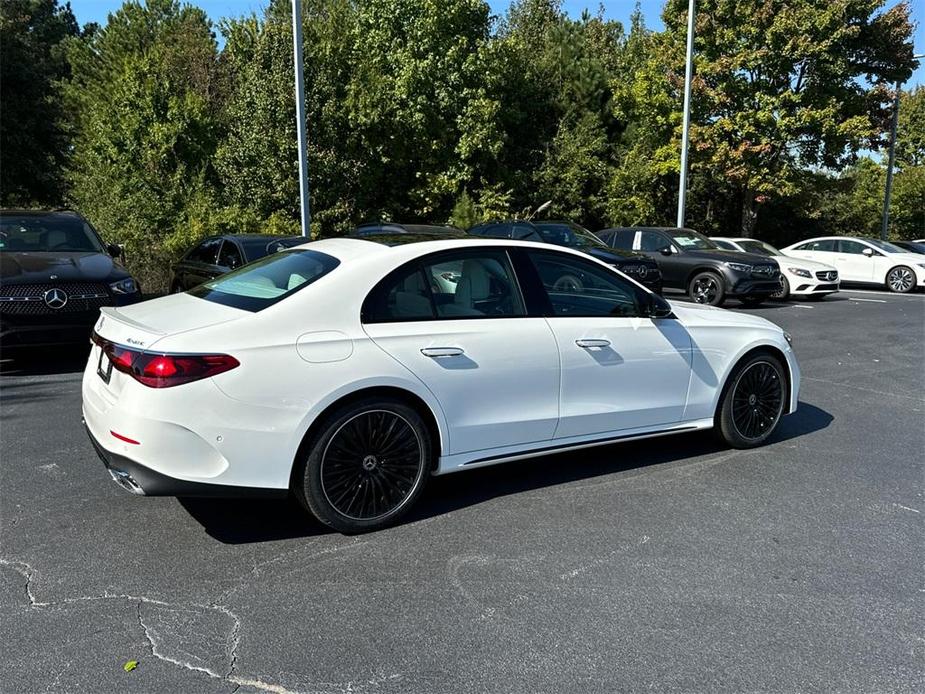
(267, 281)
(577, 287)
(47, 234)
(851, 247)
(469, 284)
(205, 252)
(725, 245)
(652, 241)
(759, 247)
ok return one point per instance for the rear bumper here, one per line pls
(139, 479)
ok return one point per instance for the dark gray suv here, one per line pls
(692, 262)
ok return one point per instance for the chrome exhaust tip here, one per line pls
(126, 481)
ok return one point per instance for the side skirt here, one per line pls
(474, 459)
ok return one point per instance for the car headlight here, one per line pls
(799, 272)
(739, 267)
(789, 338)
(126, 286)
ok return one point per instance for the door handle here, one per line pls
(440, 352)
(591, 343)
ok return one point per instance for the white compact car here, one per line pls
(349, 370)
(799, 277)
(864, 260)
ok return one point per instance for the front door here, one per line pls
(619, 370)
(851, 262)
(457, 321)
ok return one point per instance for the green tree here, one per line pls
(146, 130)
(783, 86)
(910, 132)
(33, 122)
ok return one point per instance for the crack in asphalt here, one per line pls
(28, 573)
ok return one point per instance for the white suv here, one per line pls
(798, 277)
(866, 260)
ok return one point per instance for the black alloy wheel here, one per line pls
(707, 288)
(753, 403)
(784, 292)
(367, 466)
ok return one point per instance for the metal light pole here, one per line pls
(685, 136)
(300, 114)
(884, 229)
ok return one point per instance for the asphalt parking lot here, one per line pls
(666, 565)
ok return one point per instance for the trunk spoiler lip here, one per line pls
(116, 315)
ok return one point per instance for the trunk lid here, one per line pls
(143, 325)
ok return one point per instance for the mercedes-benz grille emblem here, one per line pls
(55, 298)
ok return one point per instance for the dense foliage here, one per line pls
(435, 110)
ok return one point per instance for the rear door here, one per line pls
(200, 264)
(619, 369)
(457, 321)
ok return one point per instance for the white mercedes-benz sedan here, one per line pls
(864, 260)
(347, 371)
(798, 277)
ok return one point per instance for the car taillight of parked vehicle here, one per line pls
(158, 370)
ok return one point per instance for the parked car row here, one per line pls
(57, 272)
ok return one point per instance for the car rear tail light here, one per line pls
(158, 370)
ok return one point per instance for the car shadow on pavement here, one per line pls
(44, 361)
(240, 521)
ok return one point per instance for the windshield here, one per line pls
(758, 247)
(688, 240)
(568, 234)
(885, 246)
(50, 233)
(267, 281)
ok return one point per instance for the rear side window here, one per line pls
(619, 238)
(725, 245)
(825, 245)
(449, 286)
(267, 281)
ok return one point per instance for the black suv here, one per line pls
(692, 262)
(217, 255)
(55, 274)
(571, 235)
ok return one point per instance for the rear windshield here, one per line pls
(267, 281)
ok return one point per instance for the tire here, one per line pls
(752, 301)
(900, 279)
(784, 293)
(742, 421)
(366, 466)
(707, 288)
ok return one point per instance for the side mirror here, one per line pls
(658, 307)
(665, 250)
(868, 252)
(116, 250)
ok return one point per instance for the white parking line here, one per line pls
(883, 293)
(872, 301)
(802, 306)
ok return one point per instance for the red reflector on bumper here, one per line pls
(125, 438)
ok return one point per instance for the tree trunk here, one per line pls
(749, 212)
